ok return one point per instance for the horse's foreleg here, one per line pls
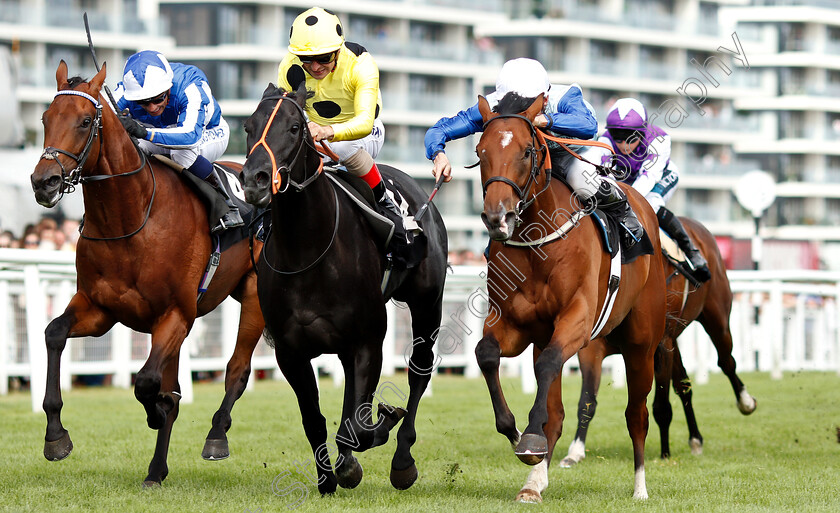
(639, 372)
(591, 359)
(169, 402)
(682, 387)
(298, 372)
(425, 319)
(80, 318)
(238, 371)
(715, 321)
(662, 412)
(488, 354)
(167, 337)
(533, 446)
(537, 480)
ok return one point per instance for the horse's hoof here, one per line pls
(350, 474)
(151, 485)
(59, 449)
(746, 403)
(529, 496)
(391, 415)
(215, 450)
(568, 462)
(403, 479)
(531, 448)
(696, 446)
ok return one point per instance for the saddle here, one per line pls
(611, 230)
(403, 256)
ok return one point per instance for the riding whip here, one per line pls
(425, 207)
(96, 64)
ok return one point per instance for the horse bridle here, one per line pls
(278, 172)
(277, 176)
(74, 177)
(536, 165)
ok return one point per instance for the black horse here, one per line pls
(319, 287)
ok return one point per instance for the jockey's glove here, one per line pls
(132, 126)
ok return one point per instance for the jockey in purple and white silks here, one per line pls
(170, 110)
(565, 114)
(643, 159)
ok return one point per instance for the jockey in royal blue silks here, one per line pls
(565, 114)
(643, 159)
(169, 109)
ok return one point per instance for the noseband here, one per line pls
(278, 172)
(536, 165)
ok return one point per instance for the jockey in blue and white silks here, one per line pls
(169, 108)
(565, 114)
(642, 159)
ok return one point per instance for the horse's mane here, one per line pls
(512, 103)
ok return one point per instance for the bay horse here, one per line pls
(550, 294)
(142, 253)
(709, 304)
(319, 285)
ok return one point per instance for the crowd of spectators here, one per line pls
(48, 233)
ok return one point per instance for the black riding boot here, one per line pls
(674, 228)
(389, 209)
(612, 201)
(232, 219)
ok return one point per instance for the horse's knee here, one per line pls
(488, 353)
(56, 333)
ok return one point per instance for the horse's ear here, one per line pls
(484, 109)
(61, 75)
(535, 107)
(300, 94)
(97, 81)
(270, 88)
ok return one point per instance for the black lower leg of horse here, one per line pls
(682, 387)
(168, 402)
(57, 444)
(662, 412)
(298, 372)
(488, 354)
(425, 320)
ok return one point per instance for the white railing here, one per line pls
(797, 329)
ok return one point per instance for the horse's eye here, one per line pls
(528, 152)
(86, 122)
(295, 128)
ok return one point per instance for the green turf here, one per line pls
(784, 457)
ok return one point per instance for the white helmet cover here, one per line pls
(146, 75)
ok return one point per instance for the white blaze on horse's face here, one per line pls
(507, 136)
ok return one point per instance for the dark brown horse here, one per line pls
(319, 286)
(550, 294)
(143, 250)
(710, 305)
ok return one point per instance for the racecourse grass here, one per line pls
(784, 457)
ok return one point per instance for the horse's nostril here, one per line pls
(54, 181)
(262, 179)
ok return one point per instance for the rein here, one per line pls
(279, 171)
(537, 140)
(74, 177)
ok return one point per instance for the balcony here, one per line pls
(70, 17)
